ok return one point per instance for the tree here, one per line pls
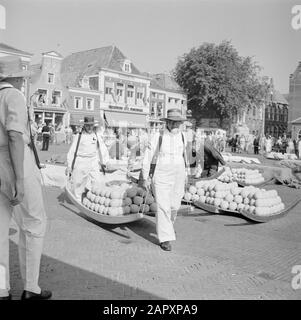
(218, 81)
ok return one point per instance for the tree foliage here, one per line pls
(218, 81)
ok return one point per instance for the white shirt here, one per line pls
(88, 148)
(171, 151)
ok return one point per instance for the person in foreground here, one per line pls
(168, 178)
(87, 158)
(20, 185)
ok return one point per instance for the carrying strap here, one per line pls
(76, 149)
(32, 144)
(155, 156)
(100, 155)
(157, 151)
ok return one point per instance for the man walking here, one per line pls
(167, 151)
(20, 188)
(46, 137)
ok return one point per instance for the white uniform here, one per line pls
(30, 215)
(87, 164)
(168, 181)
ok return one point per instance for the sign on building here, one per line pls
(2, 17)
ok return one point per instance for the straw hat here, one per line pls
(89, 120)
(174, 115)
(11, 67)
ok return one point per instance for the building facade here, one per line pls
(276, 115)
(294, 96)
(175, 97)
(128, 98)
(48, 95)
(6, 50)
(296, 129)
(123, 91)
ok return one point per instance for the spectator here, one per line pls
(256, 144)
(46, 137)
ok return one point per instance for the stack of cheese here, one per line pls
(228, 196)
(242, 175)
(119, 200)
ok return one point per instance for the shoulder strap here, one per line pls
(100, 155)
(155, 156)
(75, 153)
(184, 152)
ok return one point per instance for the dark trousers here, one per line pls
(209, 171)
(255, 150)
(45, 145)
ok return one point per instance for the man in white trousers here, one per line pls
(20, 185)
(168, 181)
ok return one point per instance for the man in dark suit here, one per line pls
(46, 137)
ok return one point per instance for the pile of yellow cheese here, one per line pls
(119, 200)
(228, 196)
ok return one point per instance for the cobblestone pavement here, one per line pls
(214, 257)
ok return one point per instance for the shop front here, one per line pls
(56, 118)
(126, 120)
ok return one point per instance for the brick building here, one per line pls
(48, 93)
(123, 91)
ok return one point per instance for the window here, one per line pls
(130, 94)
(130, 91)
(127, 66)
(169, 100)
(93, 83)
(50, 78)
(159, 109)
(90, 104)
(160, 96)
(56, 98)
(154, 95)
(119, 89)
(42, 97)
(153, 105)
(78, 102)
(139, 95)
(109, 90)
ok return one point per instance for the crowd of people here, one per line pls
(265, 144)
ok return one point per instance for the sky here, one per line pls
(153, 34)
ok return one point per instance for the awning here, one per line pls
(125, 119)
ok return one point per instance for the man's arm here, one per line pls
(215, 153)
(16, 151)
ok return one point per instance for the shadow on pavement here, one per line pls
(69, 282)
(143, 228)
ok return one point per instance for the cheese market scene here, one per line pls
(145, 157)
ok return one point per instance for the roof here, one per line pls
(53, 53)
(277, 97)
(298, 120)
(7, 48)
(166, 82)
(89, 62)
